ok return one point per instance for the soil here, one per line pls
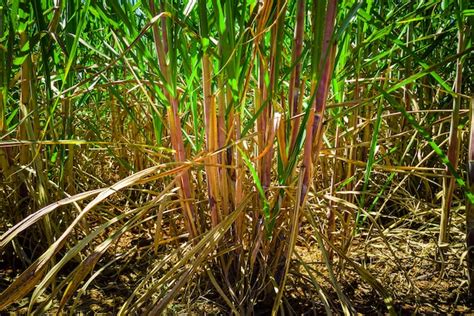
(419, 280)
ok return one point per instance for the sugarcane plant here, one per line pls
(219, 128)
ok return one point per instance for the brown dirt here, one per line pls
(419, 281)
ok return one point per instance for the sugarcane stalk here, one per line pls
(174, 121)
(294, 93)
(320, 88)
(449, 183)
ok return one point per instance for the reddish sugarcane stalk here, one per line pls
(25, 100)
(210, 123)
(239, 185)
(262, 121)
(222, 159)
(174, 122)
(331, 216)
(315, 121)
(295, 79)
